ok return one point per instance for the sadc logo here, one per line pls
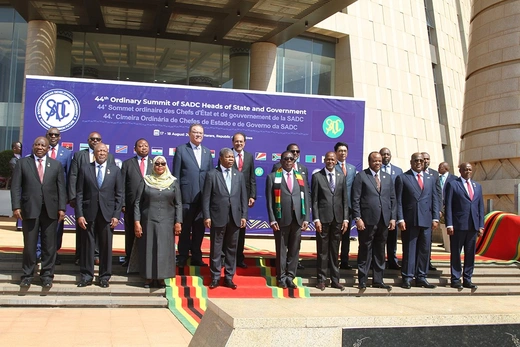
(333, 126)
(57, 108)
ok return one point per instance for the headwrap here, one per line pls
(159, 181)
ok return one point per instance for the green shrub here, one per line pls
(5, 169)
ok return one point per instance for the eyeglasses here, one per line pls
(95, 139)
(160, 164)
(288, 158)
(295, 151)
(53, 135)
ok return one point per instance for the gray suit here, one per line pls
(345, 238)
(225, 209)
(39, 204)
(391, 242)
(287, 239)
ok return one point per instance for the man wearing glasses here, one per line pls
(80, 159)
(295, 150)
(288, 200)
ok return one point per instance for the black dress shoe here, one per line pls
(432, 268)
(345, 266)
(26, 282)
(180, 262)
(242, 265)
(321, 286)
(425, 284)
(337, 286)
(198, 263)
(230, 284)
(394, 266)
(47, 283)
(147, 284)
(381, 285)
(456, 285)
(406, 284)
(282, 285)
(84, 283)
(213, 284)
(469, 284)
(362, 285)
(290, 284)
(300, 266)
(104, 284)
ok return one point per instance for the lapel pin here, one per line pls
(48, 164)
(108, 171)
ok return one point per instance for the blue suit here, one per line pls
(466, 216)
(191, 181)
(345, 238)
(391, 241)
(418, 208)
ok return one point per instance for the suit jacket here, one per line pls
(108, 198)
(248, 170)
(30, 195)
(186, 170)
(218, 202)
(131, 174)
(417, 207)
(368, 203)
(64, 156)
(328, 205)
(448, 179)
(351, 173)
(435, 174)
(80, 159)
(300, 168)
(288, 202)
(461, 212)
(394, 171)
(12, 163)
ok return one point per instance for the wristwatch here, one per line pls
(357, 218)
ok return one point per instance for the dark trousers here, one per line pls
(240, 246)
(101, 228)
(416, 252)
(79, 233)
(468, 240)
(345, 246)
(372, 242)
(391, 247)
(129, 232)
(287, 244)
(192, 232)
(31, 228)
(223, 241)
(327, 247)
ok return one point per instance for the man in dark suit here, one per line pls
(38, 199)
(224, 207)
(79, 159)
(17, 154)
(287, 197)
(349, 171)
(330, 212)
(64, 156)
(435, 175)
(191, 163)
(417, 214)
(245, 164)
(98, 207)
(374, 210)
(391, 241)
(295, 150)
(464, 222)
(133, 170)
(444, 177)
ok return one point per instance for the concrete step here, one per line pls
(15, 277)
(73, 290)
(444, 281)
(82, 301)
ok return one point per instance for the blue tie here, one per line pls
(99, 176)
(228, 181)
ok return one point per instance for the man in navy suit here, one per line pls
(444, 177)
(349, 171)
(464, 222)
(38, 199)
(224, 206)
(391, 241)
(99, 198)
(433, 173)
(133, 170)
(417, 213)
(191, 163)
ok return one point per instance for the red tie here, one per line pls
(289, 182)
(53, 153)
(40, 169)
(240, 162)
(419, 180)
(470, 190)
(141, 166)
(344, 169)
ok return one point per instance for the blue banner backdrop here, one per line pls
(122, 112)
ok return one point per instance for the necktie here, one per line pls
(419, 180)
(99, 176)
(141, 166)
(442, 182)
(228, 180)
(331, 182)
(378, 182)
(53, 153)
(197, 154)
(470, 190)
(344, 169)
(40, 169)
(289, 182)
(240, 162)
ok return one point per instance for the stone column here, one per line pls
(64, 53)
(491, 122)
(263, 67)
(40, 54)
(239, 67)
